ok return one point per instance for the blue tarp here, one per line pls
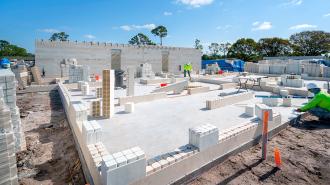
(226, 65)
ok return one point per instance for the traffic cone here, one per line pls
(277, 157)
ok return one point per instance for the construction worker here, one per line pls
(319, 106)
(187, 68)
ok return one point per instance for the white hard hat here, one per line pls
(311, 86)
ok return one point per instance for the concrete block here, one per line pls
(228, 100)
(227, 86)
(177, 87)
(156, 166)
(142, 98)
(260, 110)
(130, 81)
(287, 102)
(203, 136)
(249, 110)
(129, 107)
(149, 170)
(198, 90)
(272, 102)
(284, 93)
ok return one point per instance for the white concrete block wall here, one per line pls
(228, 100)
(203, 136)
(98, 56)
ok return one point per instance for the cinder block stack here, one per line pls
(36, 75)
(312, 69)
(145, 71)
(96, 108)
(203, 136)
(251, 67)
(91, 132)
(8, 169)
(292, 81)
(8, 84)
(78, 73)
(108, 85)
(123, 167)
(294, 67)
(264, 68)
(85, 89)
(277, 69)
(99, 92)
(130, 81)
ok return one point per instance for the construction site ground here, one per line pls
(51, 156)
(305, 154)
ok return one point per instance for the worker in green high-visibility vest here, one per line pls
(187, 68)
(319, 106)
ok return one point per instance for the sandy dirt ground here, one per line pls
(305, 154)
(51, 156)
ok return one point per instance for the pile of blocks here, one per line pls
(251, 67)
(79, 112)
(78, 73)
(99, 92)
(85, 89)
(123, 167)
(145, 71)
(96, 108)
(292, 81)
(108, 91)
(294, 67)
(8, 169)
(264, 68)
(277, 69)
(8, 86)
(203, 136)
(91, 132)
(36, 75)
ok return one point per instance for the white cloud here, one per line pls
(302, 26)
(195, 3)
(89, 36)
(168, 13)
(226, 27)
(261, 26)
(326, 15)
(292, 3)
(49, 30)
(138, 27)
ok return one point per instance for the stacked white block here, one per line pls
(203, 136)
(260, 109)
(294, 67)
(145, 71)
(251, 67)
(312, 69)
(264, 68)
(96, 153)
(129, 107)
(124, 167)
(91, 132)
(326, 72)
(78, 73)
(277, 69)
(85, 89)
(130, 81)
(292, 81)
(79, 112)
(272, 102)
(8, 169)
(249, 110)
(228, 100)
(8, 86)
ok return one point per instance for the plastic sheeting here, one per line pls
(226, 65)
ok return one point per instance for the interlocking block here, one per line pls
(129, 107)
(260, 109)
(228, 100)
(249, 110)
(125, 167)
(203, 136)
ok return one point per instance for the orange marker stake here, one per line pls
(265, 134)
(277, 157)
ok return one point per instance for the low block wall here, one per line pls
(142, 98)
(198, 90)
(228, 100)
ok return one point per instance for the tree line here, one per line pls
(7, 49)
(306, 43)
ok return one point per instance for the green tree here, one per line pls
(61, 36)
(7, 49)
(245, 49)
(214, 49)
(198, 44)
(161, 32)
(224, 47)
(311, 43)
(273, 47)
(141, 39)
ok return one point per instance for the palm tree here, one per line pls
(161, 32)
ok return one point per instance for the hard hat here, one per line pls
(312, 86)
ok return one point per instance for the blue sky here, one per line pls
(116, 21)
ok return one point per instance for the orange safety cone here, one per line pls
(277, 156)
